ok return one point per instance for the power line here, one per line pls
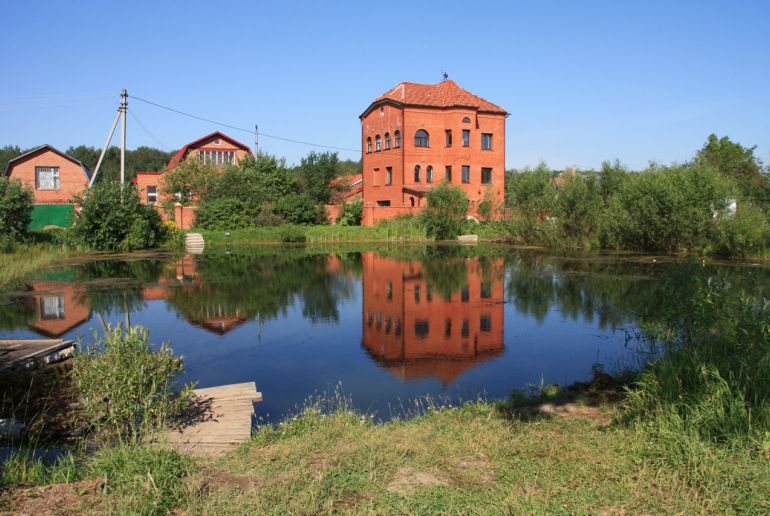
(236, 128)
(147, 131)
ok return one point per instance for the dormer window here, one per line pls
(216, 157)
(217, 141)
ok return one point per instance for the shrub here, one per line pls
(15, 209)
(444, 216)
(127, 388)
(112, 219)
(666, 209)
(298, 209)
(225, 213)
(351, 213)
(578, 207)
(531, 193)
(745, 233)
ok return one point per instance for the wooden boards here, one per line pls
(33, 353)
(219, 421)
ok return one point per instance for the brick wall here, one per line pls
(72, 178)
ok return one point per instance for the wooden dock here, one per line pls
(220, 420)
(30, 354)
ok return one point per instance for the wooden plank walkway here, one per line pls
(33, 353)
(220, 420)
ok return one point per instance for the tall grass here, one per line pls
(127, 389)
(23, 467)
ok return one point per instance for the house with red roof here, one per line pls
(416, 136)
(55, 179)
(216, 149)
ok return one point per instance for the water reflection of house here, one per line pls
(59, 307)
(414, 332)
(181, 280)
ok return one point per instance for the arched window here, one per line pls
(387, 141)
(417, 173)
(378, 143)
(466, 120)
(397, 136)
(429, 174)
(369, 144)
(421, 138)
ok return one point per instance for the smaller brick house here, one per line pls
(55, 179)
(215, 149)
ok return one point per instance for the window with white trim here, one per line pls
(217, 157)
(152, 195)
(52, 307)
(47, 178)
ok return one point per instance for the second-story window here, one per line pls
(417, 173)
(466, 137)
(486, 141)
(466, 174)
(486, 176)
(388, 175)
(378, 143)
(47, 178)
(448, 171)
(397, 138)
(421, 138)
(429, 174)
(152, 195)
(387, 141)
(369, 144)
(448, 137)
(217, 157)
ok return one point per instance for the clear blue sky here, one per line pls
(584, 81)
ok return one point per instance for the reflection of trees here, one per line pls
(617, 293)
(113, 286)
(248, 286)
(15, 310)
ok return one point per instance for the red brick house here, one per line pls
(216, 149)
(417, 135)
(55, 179)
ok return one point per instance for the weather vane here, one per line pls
(445, 75)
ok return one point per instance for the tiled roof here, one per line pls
(444, 94)
(179, 156)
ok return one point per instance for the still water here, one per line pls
(386, 326)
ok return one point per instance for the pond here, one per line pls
(387, 326)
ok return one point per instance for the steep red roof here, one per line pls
(176, 158)
(443, 95)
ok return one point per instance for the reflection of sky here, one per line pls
(291, 358)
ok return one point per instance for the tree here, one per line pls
(8, 153)
(188, 181)
(15, 209)
(144, 159)
(314, 174)
(611, 178)
(444, 216)
(733, 160)
(351, 213)
(531, 192)
(112, 218)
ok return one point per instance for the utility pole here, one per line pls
(124, 110)
(256, 139)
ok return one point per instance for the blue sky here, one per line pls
(584, 81)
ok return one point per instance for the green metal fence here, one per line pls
(51, 215)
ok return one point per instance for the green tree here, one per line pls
(188, 181)
(15, 209)
(7, 153)
(314, 174)
(112, 219)
(733, 160)
(444, 216)
(611, 178)
(351, 213)
(531, 193)
(578, 207)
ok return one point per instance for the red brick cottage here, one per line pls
(417, 135)
(55, 179)
(215, 149)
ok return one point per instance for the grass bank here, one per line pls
(27, 258)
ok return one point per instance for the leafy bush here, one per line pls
(15, 209)
(112, 219)
(297, 209)
(578, 208)
(127, 388)
(225, 213)
(444, 216)
(531, 193)
(745, 233)
(666, 209)
(351, 213)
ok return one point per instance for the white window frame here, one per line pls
(152, 196)
(55, 178)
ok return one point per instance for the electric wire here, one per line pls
(236, 128)
(146, 130)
